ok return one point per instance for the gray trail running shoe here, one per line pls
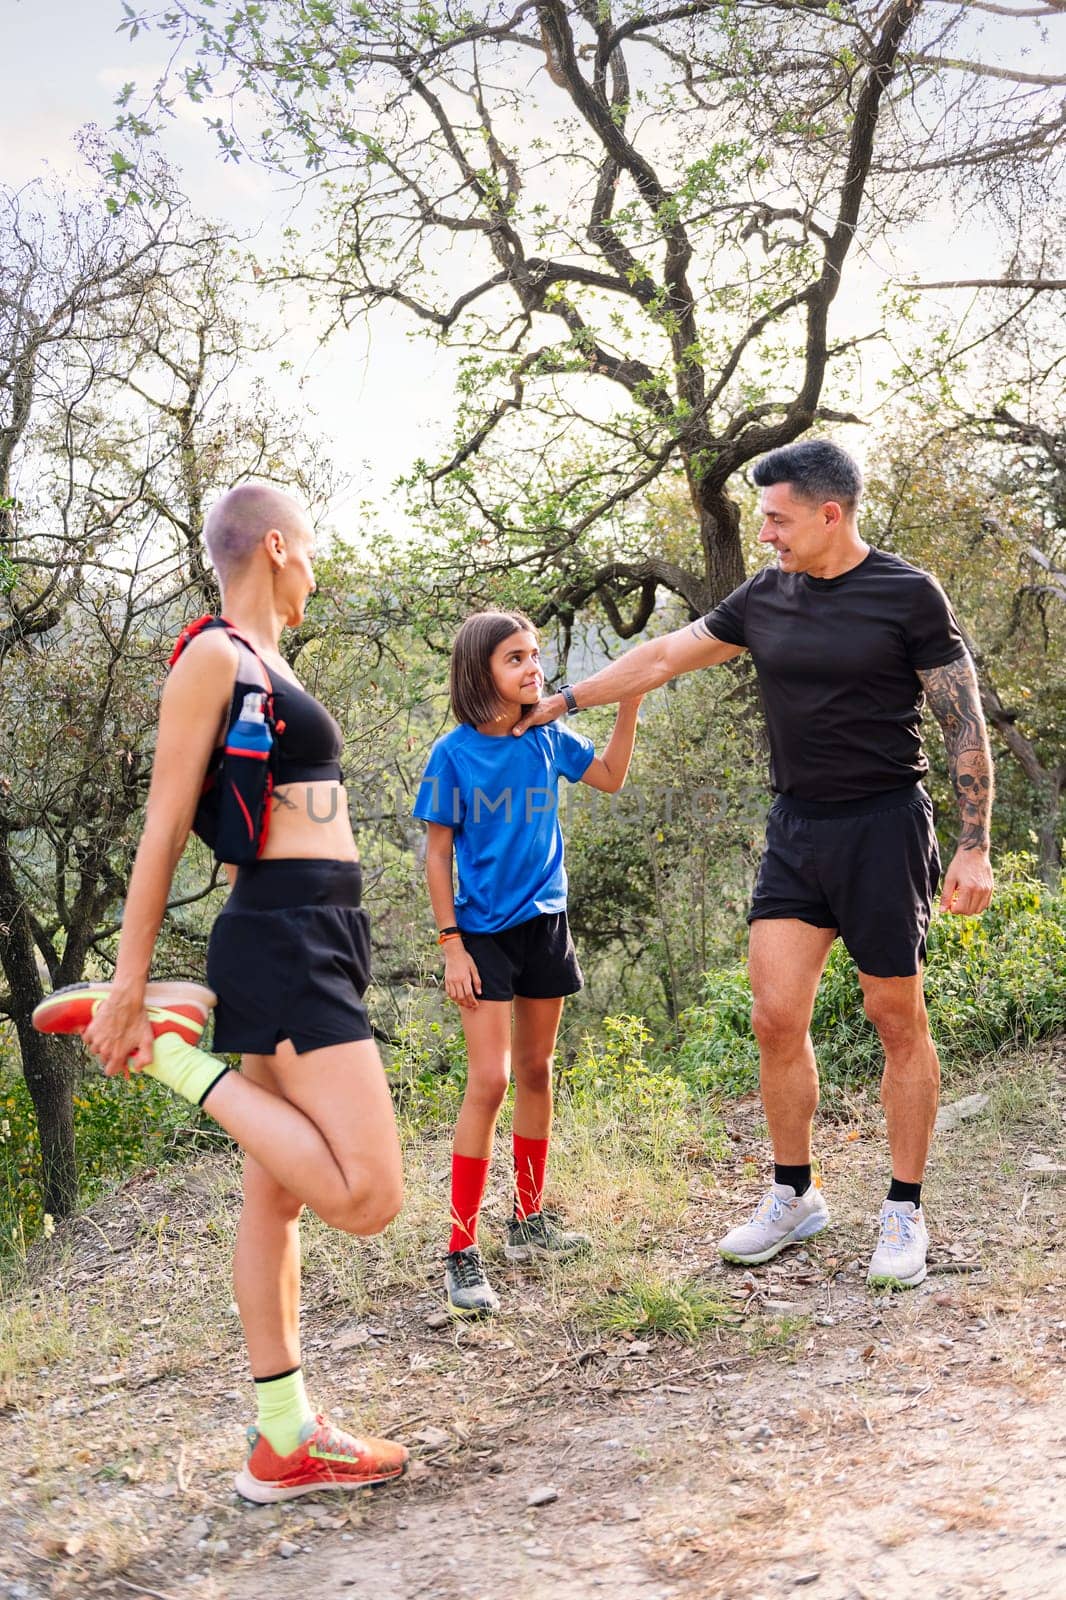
(538, 1237)
(781, 1218)
(470, 1294)
(899, 1260)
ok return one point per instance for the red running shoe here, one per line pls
(180, 1008)
(327, 1458)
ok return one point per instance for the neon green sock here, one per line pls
(283, 1410)
(183, 1068)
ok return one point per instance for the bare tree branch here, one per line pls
(1041, 285)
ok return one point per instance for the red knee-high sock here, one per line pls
(469, 1176)
(530, 1160)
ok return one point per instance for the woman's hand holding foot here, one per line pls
(119, 1033)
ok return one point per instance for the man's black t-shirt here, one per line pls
(837, 661)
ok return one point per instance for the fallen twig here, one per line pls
(141, 1588)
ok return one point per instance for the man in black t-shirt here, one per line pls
(848, 643)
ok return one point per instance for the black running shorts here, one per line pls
(534, 960)
(867, 868)
(289, 958)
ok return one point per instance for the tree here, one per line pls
(975, 486)
(956, 505)
(631, 222)
(117, 342)
(66, 288)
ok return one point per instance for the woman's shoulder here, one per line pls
(207, 651)
(205, 672)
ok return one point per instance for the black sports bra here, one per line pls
(310, 741)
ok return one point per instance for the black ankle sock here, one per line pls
(905, 1191)
(798, 1178)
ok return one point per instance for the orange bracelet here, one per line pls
(443, 938)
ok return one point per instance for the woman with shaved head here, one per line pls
(288, 959)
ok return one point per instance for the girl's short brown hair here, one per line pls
(473, 693)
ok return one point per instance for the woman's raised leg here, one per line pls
(328, 1137)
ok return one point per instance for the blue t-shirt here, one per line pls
(501, 796)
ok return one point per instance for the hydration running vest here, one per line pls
(233, 811)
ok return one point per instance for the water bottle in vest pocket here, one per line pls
(245, 782)
(233, 811)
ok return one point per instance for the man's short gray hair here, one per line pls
(815, 469)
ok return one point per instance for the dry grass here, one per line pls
(124, 1393)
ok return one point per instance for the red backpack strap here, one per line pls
(244, 650)
(191, 631)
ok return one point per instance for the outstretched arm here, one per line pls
(647, 667)
(955, 701)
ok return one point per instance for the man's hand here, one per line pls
(968, 883)
(462, 981)
(120, 1035)
(549, 709)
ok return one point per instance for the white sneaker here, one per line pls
(781, 1218)
(899, 1260)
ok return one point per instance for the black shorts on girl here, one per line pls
(289, 958)
(868, 868)
(534, 960)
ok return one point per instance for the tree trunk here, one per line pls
(50, 1065)
(720, 538)
(52, 1069)
(1048, 828)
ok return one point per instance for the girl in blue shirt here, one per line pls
(492, 802)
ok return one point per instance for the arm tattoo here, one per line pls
(700, 629)
(955, 701)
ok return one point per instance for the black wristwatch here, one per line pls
(571, 699)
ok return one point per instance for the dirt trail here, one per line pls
(854, 1502)
(902, 1448)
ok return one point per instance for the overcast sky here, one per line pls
(381, 397)
(61, 65)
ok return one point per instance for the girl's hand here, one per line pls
(462, 981)
(631, 702)
(120, 1035)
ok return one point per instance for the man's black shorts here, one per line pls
(534, 960)
(289, 958)
(868, 868)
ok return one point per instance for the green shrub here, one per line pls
(990, 981)
(21, 1212)
(1000, 978)
(119, 1128)
(427, 1072)
(617, 1074)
